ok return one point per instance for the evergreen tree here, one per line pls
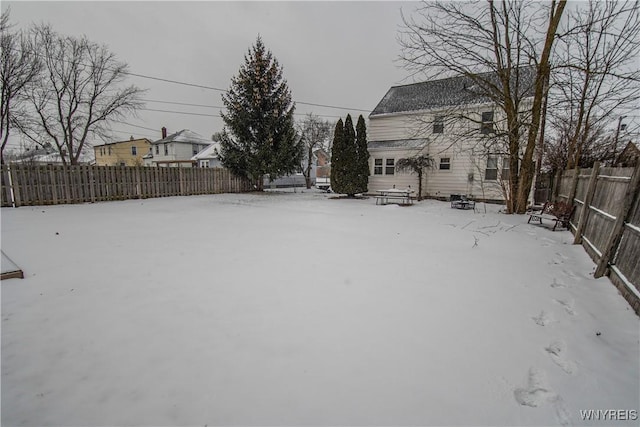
(337, 148)
(362, 155)
(259, 137)
(350, 159)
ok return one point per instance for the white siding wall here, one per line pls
(460, 141)
(176, 151)
(385, 181)
(389, 128)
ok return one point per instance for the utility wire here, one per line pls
(178, 82)
(221, 108)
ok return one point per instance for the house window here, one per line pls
(438, 124)
(505, 169)
(195, 148)
(134, 151)
(487, 123)
(204, 163)
(157, 149)
(390, 167)
(445, 163)
(491, 173)
(166, 149)
(109, 150)
(377, 166)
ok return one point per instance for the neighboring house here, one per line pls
(323, 164)
(122, 153)
(295, 179)
(176, 150)
(630, 156)
(50, 156)
(450, 121)
(208, 158)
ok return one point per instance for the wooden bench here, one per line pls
(559, 212)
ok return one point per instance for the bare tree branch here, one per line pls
(77, 95)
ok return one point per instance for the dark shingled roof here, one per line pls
(449, 92)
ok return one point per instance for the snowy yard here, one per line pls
(299, 309)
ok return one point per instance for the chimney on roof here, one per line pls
(131, 138)
(164, 132)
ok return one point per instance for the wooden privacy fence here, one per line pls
(28, 185)
(607, 222)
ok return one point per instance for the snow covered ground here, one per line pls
(300, 309)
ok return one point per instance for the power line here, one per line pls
(136, 126)
(178, 112)
(173, 81)
(200, 86)
(187, 104)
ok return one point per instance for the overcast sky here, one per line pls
(333, 53)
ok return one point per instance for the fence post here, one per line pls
(15, 186)
(138, 185)
(181, 180)
(574, 185)
(630, 197)
(584, 212)
(92, 182)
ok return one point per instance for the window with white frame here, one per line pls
(504, 175)
(377, 166)
(491, 172)
(390, 167)
(487, 123)
(166, 149)
(438, 124)
(445, 163)
(158, 149)
(134, 150)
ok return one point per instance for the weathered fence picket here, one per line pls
(607, 223)
(29, 185)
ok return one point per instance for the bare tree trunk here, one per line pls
(544, 69)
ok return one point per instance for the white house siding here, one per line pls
(385, 181)
(176, 151)
(459, 142)
(465, 175)
(391, 127)
(209, 163)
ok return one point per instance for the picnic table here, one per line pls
(395, 195)
(461, 201)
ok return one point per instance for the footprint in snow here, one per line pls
(562, 414)
(557, 284)
(543, 319)
(536, 392)
(557, 351)
(567, 305)
(570, 274)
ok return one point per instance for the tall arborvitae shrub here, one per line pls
(362, 152)
(259, 137)
(350, 159)
(337, 168)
